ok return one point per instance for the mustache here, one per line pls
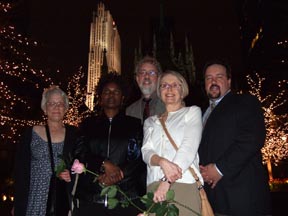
(147, 80)
(214, 86)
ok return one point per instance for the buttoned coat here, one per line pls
(232, 138)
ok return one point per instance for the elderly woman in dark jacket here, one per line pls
(33, 170)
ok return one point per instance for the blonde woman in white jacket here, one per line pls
(166, 167)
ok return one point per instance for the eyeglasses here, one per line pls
(149, 73)
(55, 104)
(170, 86)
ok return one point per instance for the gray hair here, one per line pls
(50, 91)
(150, 60)
(182, 80)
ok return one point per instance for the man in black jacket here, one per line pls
(111, 147)
(230, 149)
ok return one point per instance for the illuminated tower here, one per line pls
(104, 39)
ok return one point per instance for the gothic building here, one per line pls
(105, 47)
(162, 47)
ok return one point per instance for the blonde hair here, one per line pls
(184, 84)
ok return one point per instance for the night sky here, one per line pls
(62, 28)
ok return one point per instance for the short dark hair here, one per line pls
(112, 77)
(221, 62)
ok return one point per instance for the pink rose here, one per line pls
(77, 167)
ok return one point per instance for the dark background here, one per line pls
(62, 28)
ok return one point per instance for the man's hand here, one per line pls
(210, 174)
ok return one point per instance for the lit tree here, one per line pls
(20, 83)
(276, 145)
(77, 109)
(21, 87)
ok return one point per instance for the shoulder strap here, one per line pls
(176, 148)
(205, 205)
(50, 148)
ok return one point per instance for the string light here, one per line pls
(17, 74)
(15, 65)
(77, 110)
(4, 7)
(276, 145)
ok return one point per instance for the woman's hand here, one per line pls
(171, 170)
(65, 175)
(160, 193)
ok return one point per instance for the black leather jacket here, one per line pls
(118, 140)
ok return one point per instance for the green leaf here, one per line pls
(67, 159)
(104, 191)
(112, 203)
(158, 206)
(112, 191)
(150, 195)
(161, 209)
(60, 167)
(144, 199)
(170, 195)
(172, 213)
(125, 203)
(148, 202)
(173, 207)
(172, 210)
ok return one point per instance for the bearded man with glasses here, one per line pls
(147, 72)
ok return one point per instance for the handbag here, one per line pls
(206, 209)
(57, 203)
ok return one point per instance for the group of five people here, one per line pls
(130, 148)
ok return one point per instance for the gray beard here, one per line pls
(147, 91)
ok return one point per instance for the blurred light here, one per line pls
(4, 197)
